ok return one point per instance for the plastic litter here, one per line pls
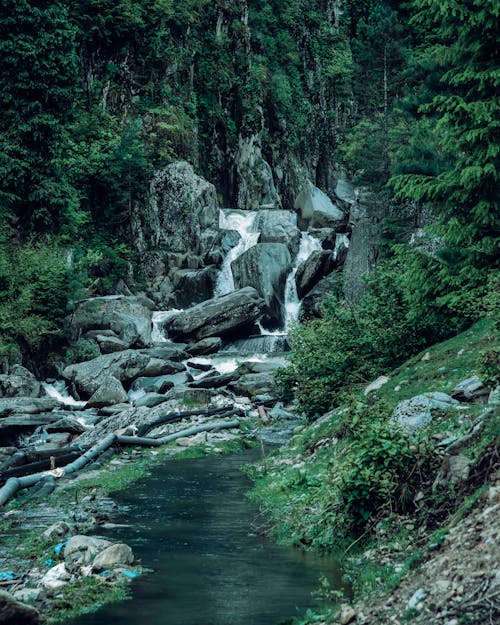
(60, 546)
(7, 575)
(130, 574)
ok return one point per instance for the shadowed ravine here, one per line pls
(191, 523)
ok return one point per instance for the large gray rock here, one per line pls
(253, 384)
(83, 549)
(264, 267)
(109, 393)
(192, 286)
(127, 317)
(26, 405)
(119, 554)
(124, 366)
(19, 382)
(13, 612)
(181, 213)
(315, 208)
(110, 344)
(156, 384)
(206, 346)
(217, 317)
(149, 400)
(413, 414)
(317, 266)
(278, 226)
(471, 389)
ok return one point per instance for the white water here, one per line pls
(243, 223)
(341, 241)
(308, 245)
(159, 316)
(58, 391)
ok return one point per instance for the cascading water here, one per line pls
(58, 391)
(341, 241)
(159, 316)
(243, 223)
(308, 245)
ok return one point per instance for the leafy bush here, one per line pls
(33, 295)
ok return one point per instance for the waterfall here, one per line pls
(58, 391)
(341, 240)
(159, 316)
(243, 223)
(308, 245)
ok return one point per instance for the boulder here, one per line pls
(149, 400)
(219, 316)
(316, 210)
(110, 344)
(214, 380)
(310, 272)
(174, 353)
(264, 267)
(181, 213)
(66, 424)
(376, 385)
(253, 384)
(19, 382)
(124, 366)
(206, 346)
(278, 226)
(127, 317)
(415, 413)
(109, 393)
(26, 405)
(83, 549)
(156, 384)
(192, 286)
(13, 612)
(471, 389)
(119, 554)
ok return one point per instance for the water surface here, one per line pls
(192, 524)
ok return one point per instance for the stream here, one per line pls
(191, 523)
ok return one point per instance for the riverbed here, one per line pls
(190, 522)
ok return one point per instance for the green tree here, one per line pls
(461, 45)
(38, 78)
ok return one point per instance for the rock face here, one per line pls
(13, 612)
(364, 243)
(26, 405)
(254, 176)
(264, 267)
(181, 214)
(219, 316)
(124, 366)
(318, 265)
(278, 226)
(315, 208)
(471, 389)
(126, 316)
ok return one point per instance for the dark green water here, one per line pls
(192, 524)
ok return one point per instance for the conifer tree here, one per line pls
(462, 44)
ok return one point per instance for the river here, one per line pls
(191, 523)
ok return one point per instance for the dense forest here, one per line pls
(368, 130)
(97, 95)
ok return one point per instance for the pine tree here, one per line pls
(463, 46)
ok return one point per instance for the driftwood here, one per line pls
(178, 415)
(41, 465)
(13, 484)
(156, 442)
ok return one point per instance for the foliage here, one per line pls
(33, 294)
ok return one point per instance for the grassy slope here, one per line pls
(296, 487)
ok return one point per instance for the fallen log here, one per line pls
(178, 415)
(156, 442)
(13, 484)
(40, 465)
